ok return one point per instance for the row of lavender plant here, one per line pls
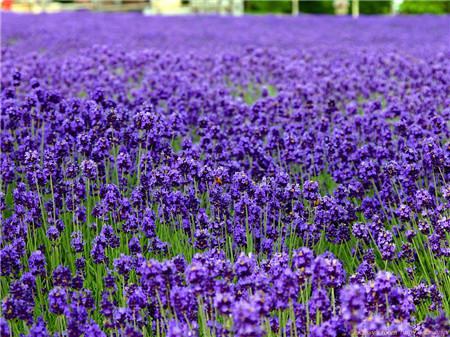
(253, 191)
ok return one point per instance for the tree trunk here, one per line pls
(355, 8)
(295, 7)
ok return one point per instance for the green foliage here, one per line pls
(316, 7)
(285, 7)
(263, 7)
(425, 7)
(373, 7)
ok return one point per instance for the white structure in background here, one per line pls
(174, 7)
(235, 7)
(341, 7)
(52, 6)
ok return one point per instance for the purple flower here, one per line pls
(77, 242)
(4, 328)
(384, 282)
(328, 271)
(62, 276)
(319, 304)
(201, 237)
(39, 329)
(374, 325)
(353, 303)
(224, 302)
(93, 330)
(246, 320)
(57, 300)
(134, 246)
(302, 259)
(137, 300)
(53, 233)
(179, 329)
(184, 302)
(98, 251)
(37, 263)
(89, 169)
(311, 191)
(123, 265)
(245, 265)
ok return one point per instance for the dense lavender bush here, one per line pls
(211, 176)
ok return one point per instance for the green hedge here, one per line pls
(285, 7)
(373, 7)
(262, 7)
(317, 7)
(422, 7)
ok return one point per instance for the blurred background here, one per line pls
(235, 7)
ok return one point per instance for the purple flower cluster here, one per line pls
(160, 180)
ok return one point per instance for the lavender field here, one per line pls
(216, 176)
